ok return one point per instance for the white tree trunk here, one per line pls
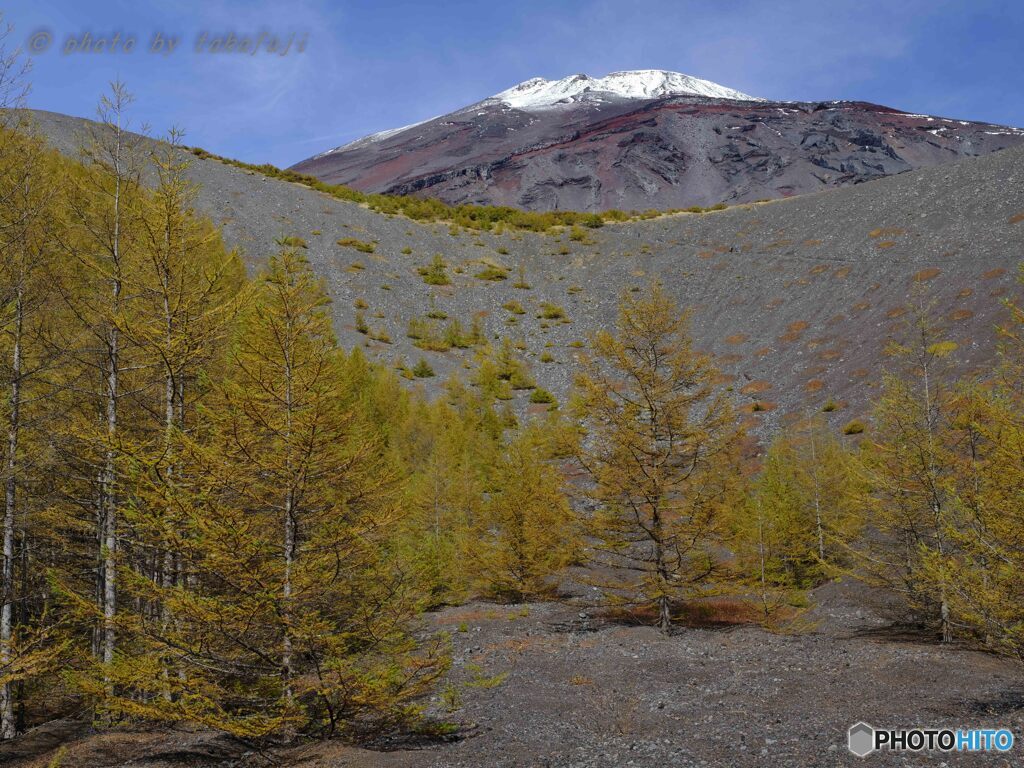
(289, 538)
(7, 724)
(108, 499)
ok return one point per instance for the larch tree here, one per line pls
(187, 289)
(526, 532)
(661, 454)
(104, 205)
(445, 500)
(910, 471)
(983, 573)
(448, 448)
(29, 222)
(293, 615)
(768, 544)
(979, 571)
(208, 513)
(799, 519)
(811, 478)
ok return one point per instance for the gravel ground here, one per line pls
(548, 686)
(587, 695)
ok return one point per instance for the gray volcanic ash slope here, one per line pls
(797, 297)
(647, 139)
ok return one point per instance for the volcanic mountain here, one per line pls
(646, 139)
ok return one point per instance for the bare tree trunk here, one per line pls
(760, 552)
(817, 501)
(947, 628)
(108, 504)
(664, 608)
(286, 594)
(289, 539)
(7, 724)
(167, 576)
(108, 499)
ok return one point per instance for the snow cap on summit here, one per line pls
(538, 93)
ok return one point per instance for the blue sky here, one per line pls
(368, 66)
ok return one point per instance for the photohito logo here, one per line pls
(863, 739)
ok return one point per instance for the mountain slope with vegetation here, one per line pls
(798, 298)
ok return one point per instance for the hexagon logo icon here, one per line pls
(861, 739)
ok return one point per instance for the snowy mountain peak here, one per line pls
(538, 93)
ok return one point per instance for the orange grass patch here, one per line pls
(874, 234)
(755, 387)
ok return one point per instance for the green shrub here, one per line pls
(292, 241)
(434, 313)
(541, 395)
(435, 274)
(359, 245)
(456, 336)
(521, 281)
(422, 370)
(514, 307)
(501, 371)
(549, 311)
(854, 428)
(492, 273)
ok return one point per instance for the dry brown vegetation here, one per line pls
(886, 232)
(755, 387)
